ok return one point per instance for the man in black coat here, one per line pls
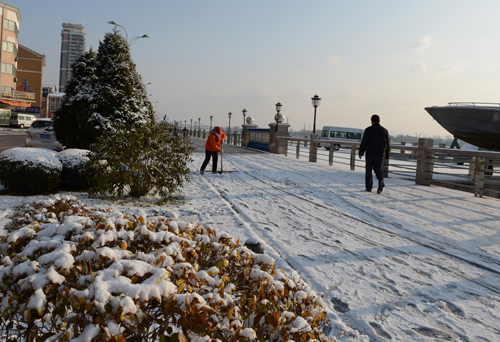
(376, 143)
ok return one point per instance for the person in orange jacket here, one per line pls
(212, 147)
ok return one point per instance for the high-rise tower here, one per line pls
(72, 47)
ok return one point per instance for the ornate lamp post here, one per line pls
(315, 102)
(211, 118)
(229, 115)
(244, 111)
(199, 127)
(278, 115)
(191, 127)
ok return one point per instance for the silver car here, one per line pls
(41, 134)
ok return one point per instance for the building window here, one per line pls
(9, 47)
(5, 89)
(9, 68)
(10, 25)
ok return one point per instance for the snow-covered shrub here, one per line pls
(31, 170)
(139, 160)
(74, 174)
(51, 210)
(106, 276)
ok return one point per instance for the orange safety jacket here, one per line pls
(213, 142)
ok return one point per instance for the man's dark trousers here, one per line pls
(373, 163)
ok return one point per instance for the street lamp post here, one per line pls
(126, 33)
(199, 127)
(135, 38)
(315, 102)
(277, 116)
(211, 118)
(229, 115)
(244, 111)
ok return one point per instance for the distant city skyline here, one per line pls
(205, 58)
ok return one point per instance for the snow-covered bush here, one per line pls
(30, 170)
(104, 276)
(139, 160)
(74, 174)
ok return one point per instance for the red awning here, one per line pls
(16, 103)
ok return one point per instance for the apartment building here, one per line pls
(10, 98)
(72, 47)
(30, 77)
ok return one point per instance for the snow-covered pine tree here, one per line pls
(119, 94)
(71, 120)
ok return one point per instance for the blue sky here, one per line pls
(211, 57)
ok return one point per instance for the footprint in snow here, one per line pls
(380, 331)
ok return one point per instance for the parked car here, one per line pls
(21, 120)
(41, 134)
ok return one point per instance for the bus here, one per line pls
(340, 134)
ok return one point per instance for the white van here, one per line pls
(21, 120)
(340, 134)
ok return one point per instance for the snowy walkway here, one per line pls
(412, 264)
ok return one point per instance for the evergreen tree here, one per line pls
(71, 119)
(119, 95)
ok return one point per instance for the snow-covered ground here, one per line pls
(411, 264)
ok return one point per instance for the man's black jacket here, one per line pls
(375, 142)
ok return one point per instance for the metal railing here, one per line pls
(473, 171)
(473, 104)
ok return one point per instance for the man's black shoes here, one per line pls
(380, 187)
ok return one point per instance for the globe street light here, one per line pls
(244, 115)
(229, 115)
(315, 102)
(211, 117)
(277, 116)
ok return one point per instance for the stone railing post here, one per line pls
(403, 143)
(297, 152)
(330, 155)
(313, 149)
(276, 145)
(425, 162)
(479, 177)
(414, 153)
(385, 167)
(353, 158)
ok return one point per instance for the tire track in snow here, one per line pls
(437, 249)
(369, 327)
